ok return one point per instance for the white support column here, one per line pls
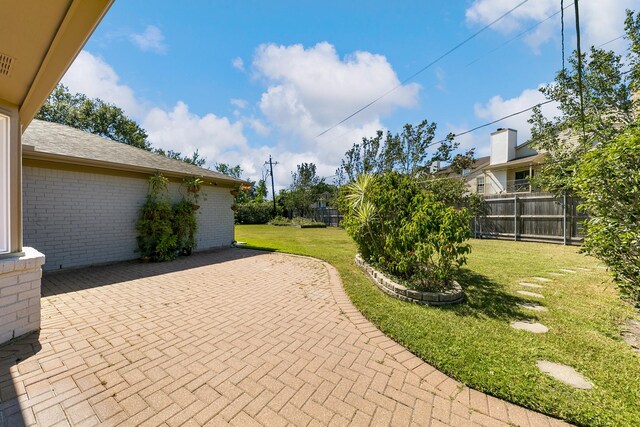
(5, 185)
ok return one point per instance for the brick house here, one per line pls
(82, 193)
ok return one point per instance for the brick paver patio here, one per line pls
(231, 337)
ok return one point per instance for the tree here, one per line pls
(226, 169)
(597, 156)
(608, 110)
(608, 181)
(303, 191)
(103, 119)
(92, 115)
(406, 152)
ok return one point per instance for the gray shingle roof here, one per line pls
(53, 140)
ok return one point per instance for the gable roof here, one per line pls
(477, 163)
(55, 142)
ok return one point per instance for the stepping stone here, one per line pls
(542, 279)
(536, 328)
(531, 294)
(552, 273)
(583, 269)
(566, 270)
(532, 306)
(530, 285)
(565, 374)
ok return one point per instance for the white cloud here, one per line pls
(317, 84)
(95, 78)
(239, 103)
(311, 89)
(150, 40)
(258, 126)
(600, 21)
(306, 91)
(184, 131)
(238, 63)
(497, 107)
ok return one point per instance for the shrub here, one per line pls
(254, 213)
(185, 226)
(402, 229)
(297, 222)
(156, 239)
(608, 181)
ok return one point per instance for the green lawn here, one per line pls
(473, 341)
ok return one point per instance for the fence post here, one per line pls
(515, 217)
(564, 218)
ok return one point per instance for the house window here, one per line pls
(480, 185)
(4, 184)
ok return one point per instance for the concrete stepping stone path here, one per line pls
(532, 306)
(531, 294)
(565, 374)
(566, 270)
(524, 325)
(553, 273)
(530, 285)
(542, 279)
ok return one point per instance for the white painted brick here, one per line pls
(78, 218)
(28, 294)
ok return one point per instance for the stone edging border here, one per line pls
(391, 288)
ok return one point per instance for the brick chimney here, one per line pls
(503, 145)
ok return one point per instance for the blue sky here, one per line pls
(241, 80)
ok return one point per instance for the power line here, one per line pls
(492, 122)
(517, 36)
(411, 77)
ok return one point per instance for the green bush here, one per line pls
(399, 227)
(297, 222)
(164, 232)
(608, 181)
(156, 240)
(185, 226)
(254, 213)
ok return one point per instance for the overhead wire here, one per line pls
(423, 69)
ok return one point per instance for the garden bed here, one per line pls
(453, 296)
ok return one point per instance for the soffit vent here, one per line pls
(6, 64)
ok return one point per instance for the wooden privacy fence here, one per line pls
(329, 216)
(537, 217)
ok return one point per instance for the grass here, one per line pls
(473, 342)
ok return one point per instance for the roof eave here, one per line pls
(81, 161)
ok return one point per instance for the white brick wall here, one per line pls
(20, 294)
(79, 218)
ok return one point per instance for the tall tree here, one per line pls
(596, 156)
(406, 152)
(92, 115)
(608, 110)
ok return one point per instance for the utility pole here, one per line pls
(273, 191)
(579, 51)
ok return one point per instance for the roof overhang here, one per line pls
(28, 152)
(39, 40)
(536, 159)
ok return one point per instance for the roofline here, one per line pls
(535, 159)
(29, 153)
(78, 24)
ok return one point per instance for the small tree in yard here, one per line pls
(595, 156)
(608, 179)
(404, 231)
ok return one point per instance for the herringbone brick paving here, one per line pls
(231, 337)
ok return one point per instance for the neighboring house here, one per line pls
(82, 196)
(508, 168)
